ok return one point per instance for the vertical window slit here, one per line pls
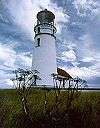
(38, 29)
(38, 42)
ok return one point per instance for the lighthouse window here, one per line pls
(38, 42)
(53, 31)
(38, 29)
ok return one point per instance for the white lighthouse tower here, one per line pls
(44, 51)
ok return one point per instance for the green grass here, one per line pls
(86, 104)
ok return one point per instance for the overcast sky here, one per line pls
(78, 37)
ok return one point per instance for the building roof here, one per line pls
(63, 73)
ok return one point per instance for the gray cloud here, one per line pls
(82, 30)
(17, 19)
(77, 38)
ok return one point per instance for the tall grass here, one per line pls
(82, 112)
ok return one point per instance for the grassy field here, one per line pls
(82, 111)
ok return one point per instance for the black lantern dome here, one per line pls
(45, 16)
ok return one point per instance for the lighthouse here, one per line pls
(44, 50)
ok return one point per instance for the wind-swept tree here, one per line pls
(23, 81)
(72, 87)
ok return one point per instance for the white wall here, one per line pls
(44, 58)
